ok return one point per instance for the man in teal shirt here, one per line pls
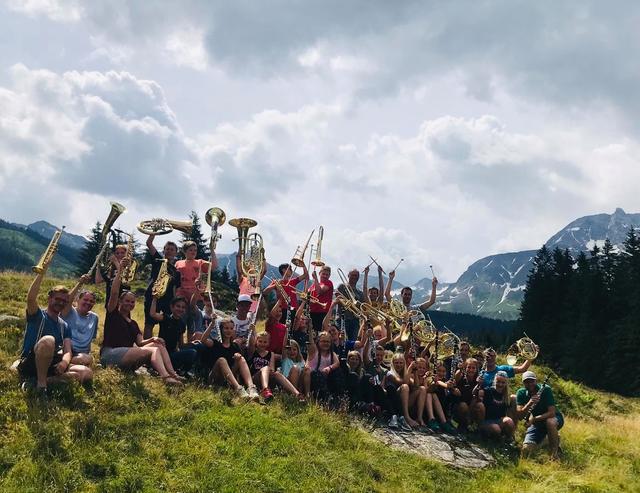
(543, 419)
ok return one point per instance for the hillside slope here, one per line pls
(132, 434)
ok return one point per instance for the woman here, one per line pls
(496, 401)
(123, 345)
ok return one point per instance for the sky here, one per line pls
(438, 132)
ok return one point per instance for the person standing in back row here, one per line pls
(322, 289)
(351, 322)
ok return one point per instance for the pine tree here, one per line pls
(90, 250)
(197, 237)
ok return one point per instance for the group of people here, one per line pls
(312, 346)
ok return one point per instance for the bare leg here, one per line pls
(437, 407)
(462, 414)
(306, 379)
(135, 357)
(221, 371)
(422, 397)
(80, 372)
(164, 354)
(44, 350)
(284, 383)
(404, 399)
(508, 428)
(429, 406)
(82, 359)
(492, 430)
(240, 365)
(554, 437)
(478, 412)
(264, 377)
(294, 376)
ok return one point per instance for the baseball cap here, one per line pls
(528, 375)
(244, 297)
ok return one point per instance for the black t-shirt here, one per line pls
(257, 362)
(108, 275)
(342, 289)
(171, 330)
(219, 351)
(494, 404)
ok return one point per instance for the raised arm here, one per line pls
(204, 339)
(365, 285)
(387, 290)
(150, 245)
(523, 367)
(115, 287)
(305, 273)
(432, 299)
(32, 295)
(326, 321)
(238, 268)
(153, 311)
(380, 285)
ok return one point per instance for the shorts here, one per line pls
(112, 356)
(536, 433)
(27, 366)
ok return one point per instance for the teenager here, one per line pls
(465, 379)
(169, 253)
(123, 345)
(83, 323)
(46, 349)
(190, 269)
(397, 385)
(322, 289)
(544, 418)
(373, 295)
(288, 283)
(302, 328)
(242, 320)
(324, 367)
(172, 332)
(226, 363)
(107, 274)
(497, 401)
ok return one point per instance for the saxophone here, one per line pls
(47, 256)
(129, 272)
(162, 281)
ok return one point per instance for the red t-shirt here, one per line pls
(325, 297)
(277, 331)
(289, 287)
(189, 273)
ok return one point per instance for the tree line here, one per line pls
(584, 312)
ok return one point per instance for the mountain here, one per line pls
(494, 286)
(45, 229)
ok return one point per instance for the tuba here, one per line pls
(159, 226)
(523, 347)
(298, 257)
(251, 251)
(47, 256)
(318, 260)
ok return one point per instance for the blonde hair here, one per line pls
(506, 396)
(299, 358)
(355, 353)
(398, 356)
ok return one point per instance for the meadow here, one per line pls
(131, 433)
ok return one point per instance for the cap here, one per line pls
(244, 297)
(528, 375)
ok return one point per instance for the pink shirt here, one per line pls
(246, 288)
(325, 361)
(189, 273)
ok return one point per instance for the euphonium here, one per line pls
(215, 217)
(251, 251)
(129, 272)
(161, 284)
(318, 260)
(524, 347)
(159, 226)
(47, 256)
(298, 257)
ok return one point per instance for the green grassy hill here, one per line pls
(130, 433)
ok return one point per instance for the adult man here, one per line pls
(351, 322)
(406, 294)
(544, 418)
(288, 284)
(169, 253)
(82, 322)
(45, 336)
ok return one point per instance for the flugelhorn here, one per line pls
(317, 262)
(47, 255)
(298, 257)
(159, 226)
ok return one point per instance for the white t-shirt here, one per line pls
(241, 326)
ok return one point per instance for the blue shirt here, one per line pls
(488, 376)
(56, 328)
(83, 330)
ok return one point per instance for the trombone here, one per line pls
(318, 261)
(298, 257)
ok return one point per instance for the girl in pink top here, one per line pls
(190, 269)
(322, 365)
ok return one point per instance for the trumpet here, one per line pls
(524, 347)
(318, 261)
(159, 226)
(48, 254)
(298, 257)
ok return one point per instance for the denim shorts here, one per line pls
(536, 433)
(112, 356)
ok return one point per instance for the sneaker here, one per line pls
(393, 423)
(404, 426)
(447, 427)
(242, 393)
(253, 393)
(433, 425)
(266, 394)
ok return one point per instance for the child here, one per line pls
(190, 269)
(292, 365)
(441, 391)
(262, 367)
(172, 330)
(324, 366)
(276, 329)
(397, 385)
(226, 361)
(465, 382)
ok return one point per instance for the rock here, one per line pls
(452, 450)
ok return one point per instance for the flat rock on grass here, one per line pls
(448, 449)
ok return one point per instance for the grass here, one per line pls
(130, 433)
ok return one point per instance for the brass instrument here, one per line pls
(161, 283)
(48, 254)
(129, 272)
(116, 211)
(387, 359)
(280, 288)
(298, 257)
(523, 347)
(318, 260)
(251, 251)
(159, 226)
(215, 218)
